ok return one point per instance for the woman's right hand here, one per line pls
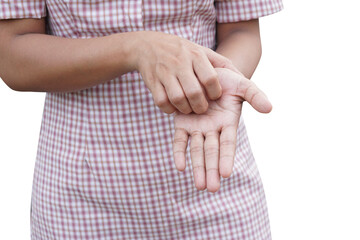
(178, 72)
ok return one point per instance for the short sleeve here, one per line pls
(243, 10)
(10, 9)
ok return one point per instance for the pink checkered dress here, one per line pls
(104, 167)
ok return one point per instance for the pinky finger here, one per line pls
(179, 148)
(227, 150)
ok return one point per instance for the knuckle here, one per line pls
(187, 110)
(175, 60)
(149, 79)
(211, 79)
(160, 68)
(196, 52)
(250, 94)
(180, 140)
(161, 101)
(212, 134)
(196, 133)
(227, 143)
(243, 88)
(212, 151)
(200, 109)
(178, 153)
(181, 47)
(194, 93)
(198, 165)
(212, 169)
(227, 156)
(168, 110)
(196, 149)
(178, 98)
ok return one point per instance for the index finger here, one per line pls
(218, 60)
(179, 148)
(227, 150)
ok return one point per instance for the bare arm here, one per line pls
(241, 43)
(33, 61)
(173, 68)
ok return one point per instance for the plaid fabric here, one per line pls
(104, 166)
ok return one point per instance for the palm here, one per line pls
(213, 133)
(223, 112)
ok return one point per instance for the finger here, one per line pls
(194, 92)
(176, 95)
(197, 159)
(212, 161)
(207, 76)
(160, 98)
(227, 150)
(217, 60)
(179, 148)
(253, 95)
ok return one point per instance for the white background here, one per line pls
(307, 149)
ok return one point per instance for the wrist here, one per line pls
(128, 50)
(141, 45)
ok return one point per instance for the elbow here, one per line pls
(7, 75)
(9, 82)
(14, 83)
(15, 79)
(12, 86)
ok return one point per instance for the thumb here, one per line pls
(247, 90)
(219, 61)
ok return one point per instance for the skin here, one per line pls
(213, 133)
(180, 69)
(241, 43)
(76, 64)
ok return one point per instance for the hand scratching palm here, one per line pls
(213, 133)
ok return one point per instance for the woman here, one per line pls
(122, 79)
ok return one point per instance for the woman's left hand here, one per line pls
(213, 133)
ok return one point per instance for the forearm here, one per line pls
(39, 62)
(243, 48)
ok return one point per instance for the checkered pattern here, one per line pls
(104, 166)
(243, 10)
